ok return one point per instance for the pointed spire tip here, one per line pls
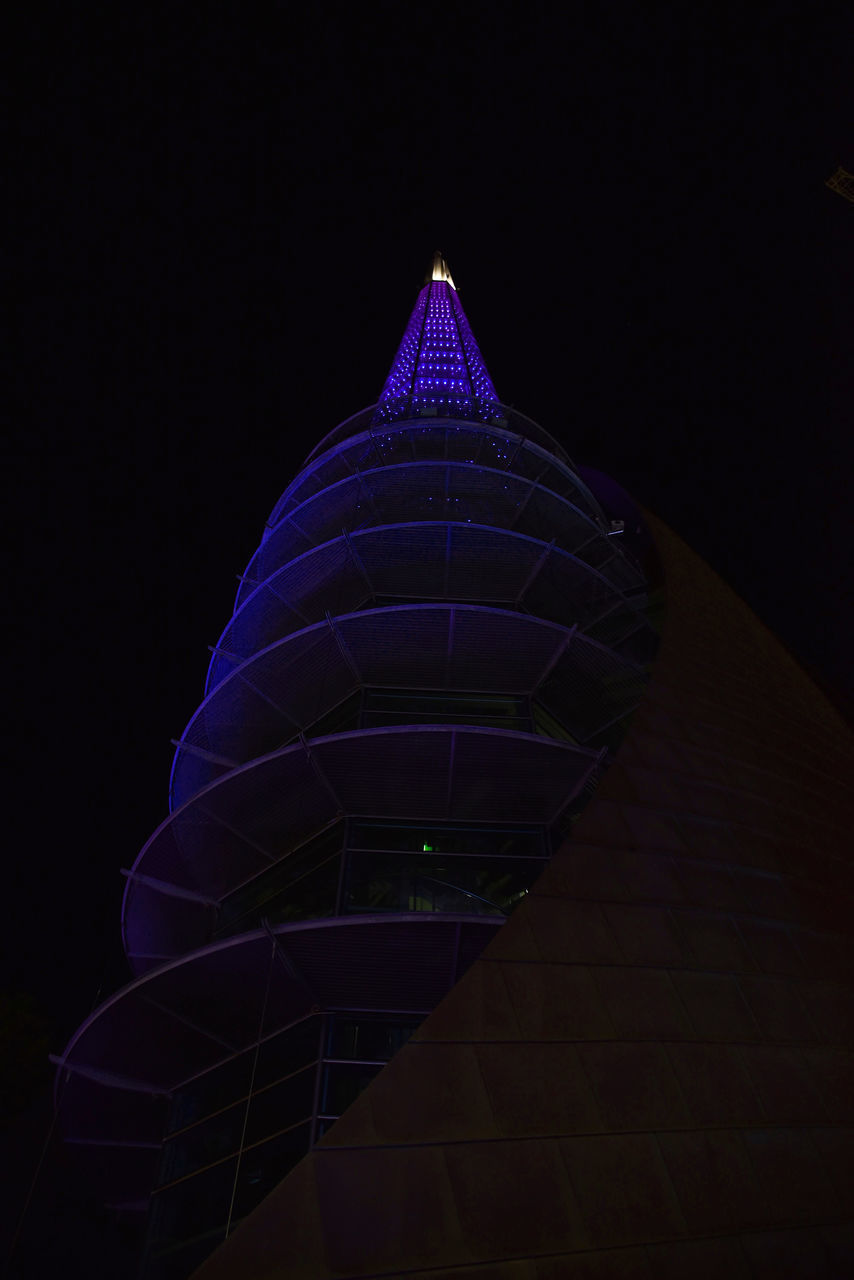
(438, 370)
(440, 270)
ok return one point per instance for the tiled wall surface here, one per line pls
(649, 1071)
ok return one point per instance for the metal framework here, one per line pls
(432, 652)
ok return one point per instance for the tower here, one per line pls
(432, 658)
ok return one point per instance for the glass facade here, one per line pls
(358, 866)
(236, 1130)
(399, 706)
(301, 886)
(436, 882)
(372, 708)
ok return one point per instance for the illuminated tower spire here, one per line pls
(432, 655)
(438, 370)
(441, 271)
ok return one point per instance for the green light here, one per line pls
(428, 848)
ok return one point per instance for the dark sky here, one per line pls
(222, 230)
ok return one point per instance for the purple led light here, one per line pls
(438, 368)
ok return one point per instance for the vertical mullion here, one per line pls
(318, 1077)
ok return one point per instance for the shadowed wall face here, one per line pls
(649, 1070)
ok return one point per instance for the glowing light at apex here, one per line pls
(441, 271)
(438, 370)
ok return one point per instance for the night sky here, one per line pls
(222, 231)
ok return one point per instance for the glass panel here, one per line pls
(309, 898)
(397, 882)
(404, 707)
(374, 719)
(191, 1207)
(264, 1166)
(342, 1084)
(287, 1052)
(263, 895)
(368, 1039)
(217, 1089)
(211, 1092)
(203, 1144)
(446, 837)
(281, 1106)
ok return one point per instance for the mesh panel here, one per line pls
(306, 678)
(133, 1037)
(326, 579)
(413, 560)
(221, 732)
(225, 836)
(463, 444)
(405, 560)
(387, 773)
(212, 853)
(166, 857)
(565, 591)
(589, 687)
(383, 449)
(236, 723)
(509, 421)
(336, 466)
(487, 564)
(509, 456)
(280, 545)
(429, 443)
(418, 772)
(183, 1020)
(307, 674)
(526, 779)
(221, 992)
(274, 803)
(502, 448)
(154, 922)
(190, 773)
(405, 646)
(500, 650)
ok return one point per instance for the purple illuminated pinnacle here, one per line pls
(438, 369)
